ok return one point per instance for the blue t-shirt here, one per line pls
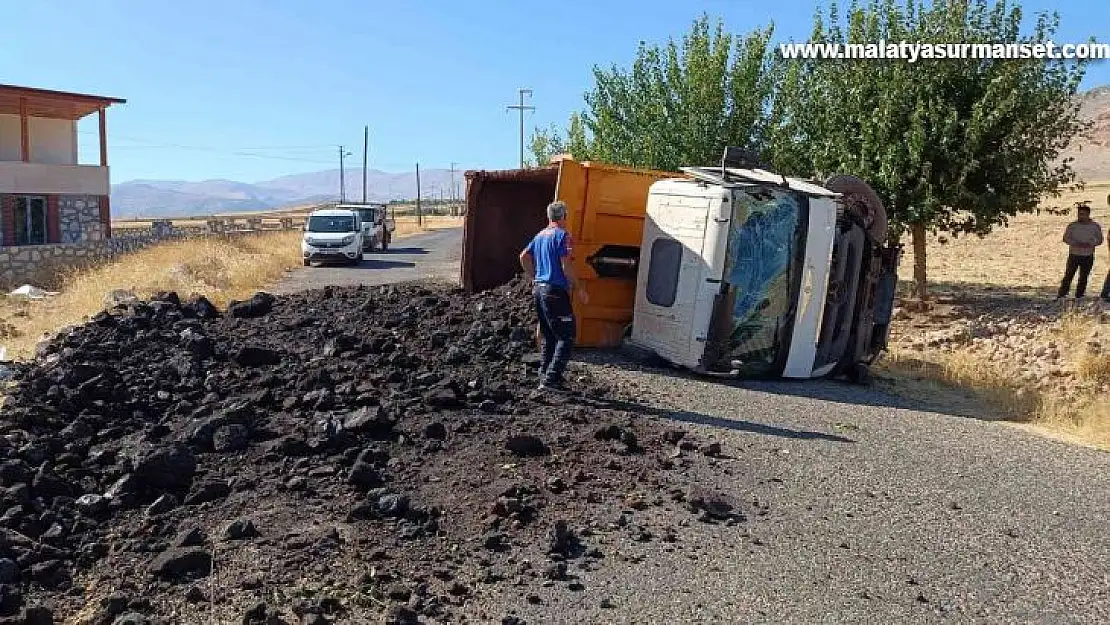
(548, 248)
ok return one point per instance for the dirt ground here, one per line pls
(994, 335)
(380, 449)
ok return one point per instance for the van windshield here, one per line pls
(759, 272)
(331, 223)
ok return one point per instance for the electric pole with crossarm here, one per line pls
(521, 108)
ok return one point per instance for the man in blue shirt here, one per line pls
(547, 261)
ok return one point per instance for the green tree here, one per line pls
(544, 144)
(548, 142)
(679, 104)
(954, 146)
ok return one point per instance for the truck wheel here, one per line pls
(869, 208)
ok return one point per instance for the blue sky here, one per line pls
(209, 82)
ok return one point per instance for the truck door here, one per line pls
(678, 260)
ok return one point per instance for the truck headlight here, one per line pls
(349, 239)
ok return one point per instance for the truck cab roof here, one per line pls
(738, 177)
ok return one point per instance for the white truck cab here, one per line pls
(332, 234)
(746, 272)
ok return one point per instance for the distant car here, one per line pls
(377, 227)
(333, 234)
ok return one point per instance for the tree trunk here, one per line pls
(917, 232)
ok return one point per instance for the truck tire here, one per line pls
(872, 213)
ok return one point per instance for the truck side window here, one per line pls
(663, 270)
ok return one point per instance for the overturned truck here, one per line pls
(729, 270)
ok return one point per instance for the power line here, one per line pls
(197, 147)
(148, 145)
(240, 151)
(248, 154)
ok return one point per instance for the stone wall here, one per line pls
(80, 218)
(43, 265)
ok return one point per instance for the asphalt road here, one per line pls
(429, 255)
(861, 507)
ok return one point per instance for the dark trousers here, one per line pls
(1083, 264)
(553, 307)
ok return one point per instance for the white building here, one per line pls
(46, 196)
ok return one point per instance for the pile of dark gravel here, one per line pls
(334, 455)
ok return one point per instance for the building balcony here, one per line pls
(18, 178)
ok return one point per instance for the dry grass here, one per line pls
(407, 225)
(1094, 367)
(222, 269)
(987, 392)
(1008, 267)
(965, 384)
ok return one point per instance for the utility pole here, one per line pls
(342, 184)
(521, 108)
(418, 221)
(365, 141)
(453, 199)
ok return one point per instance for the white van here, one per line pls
(746, 272)
(332, 234)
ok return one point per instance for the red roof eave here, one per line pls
(60, 95)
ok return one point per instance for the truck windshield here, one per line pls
(759, 269)
(331, 223)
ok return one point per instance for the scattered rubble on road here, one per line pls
(371, 451)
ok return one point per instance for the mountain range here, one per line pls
(1092, 152)
(178, 198)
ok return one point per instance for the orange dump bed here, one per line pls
(606, 208)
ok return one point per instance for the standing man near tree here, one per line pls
(547, 261)
(1082, 236)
